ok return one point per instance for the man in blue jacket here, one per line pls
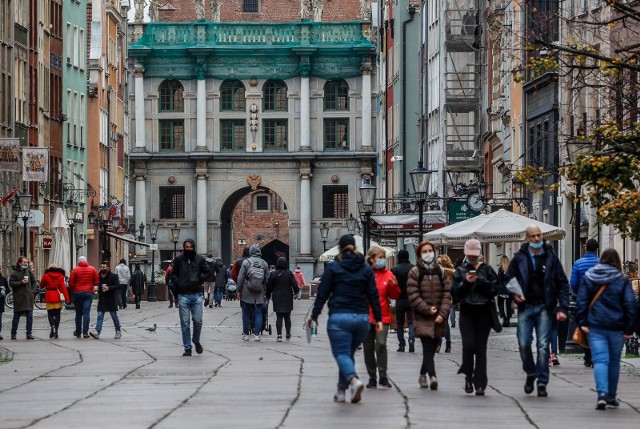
(580, 267)
(545, 288)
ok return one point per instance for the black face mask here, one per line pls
(189, 253)
(103, 271)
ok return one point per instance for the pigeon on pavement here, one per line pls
(152, 329)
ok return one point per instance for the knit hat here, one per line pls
(346, 240)
(81, 258)
(472, 247)
(403, 255)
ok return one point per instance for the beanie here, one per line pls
(346, 240)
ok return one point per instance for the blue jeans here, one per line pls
(217, 296)
(190, 305)
(536, 317)
(553, 336)
(606, 350)
(248, 310)
(346, 332)
(82, 302)
(16, 320)
(114, 317)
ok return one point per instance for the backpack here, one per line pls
(254, 277)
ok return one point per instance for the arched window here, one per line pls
(336, 95)
(275, 96)
(171, 96)
(232, 95)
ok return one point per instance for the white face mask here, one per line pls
(428, 257)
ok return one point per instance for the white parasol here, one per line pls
(60, 248)
(330, 254)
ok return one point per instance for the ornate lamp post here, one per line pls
(368, 195)
(324, 233)
(23, 203)
(175, 236)
(71, 209)
(575, 146)
(103, 220)
(153, 233)
(420, 178)
(351, 224)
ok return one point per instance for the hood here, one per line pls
(351, 262)
(83, 263)
(403, 255)
(209, 260)
(603, 273)
(282, 263)
(219, 263)
(189, 240)
(254, 251)
(55, 270)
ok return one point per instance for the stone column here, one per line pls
(201, 207)
(305, 209)
(366, 107)
(305, 116)
(201, 112)
(141, 200)
(139, 108)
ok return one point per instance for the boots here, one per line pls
(448, 347)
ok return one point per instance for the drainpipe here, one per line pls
(412, 11)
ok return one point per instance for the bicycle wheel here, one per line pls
(38, 299)
(8, 300)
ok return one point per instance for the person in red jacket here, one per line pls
(375, 344)
(82, 280)
(53, 281)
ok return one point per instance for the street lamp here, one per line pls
(103, 220)
(153, 233)
(71, 209)
(324, 233)
(368, 195)
(576, 146)
(351, 224)
(420, 178)
(23, 204)
(175, 236)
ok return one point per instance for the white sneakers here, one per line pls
(245, 337)
(339, 396)
(422, 380)
(118, 335)
(95, 335)
(356, 389)
(256, 338)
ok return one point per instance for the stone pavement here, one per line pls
(142, 381)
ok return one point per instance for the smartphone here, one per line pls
(472, 272)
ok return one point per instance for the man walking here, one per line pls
(403, 309)
(108, 291)
(138, 284)
(580, 267)
(252, 280)
(81, 281)
(124, 277)
(210, 282)
(544, 289)
(189, 273)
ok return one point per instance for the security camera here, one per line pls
(396, 158)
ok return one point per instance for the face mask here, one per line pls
(25, 266)
(472, 259)
(428, 257)
(536, 245)
(380, 263)
(103, 271)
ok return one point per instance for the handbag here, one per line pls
(61, 296)
(495, 319)
(579, 336)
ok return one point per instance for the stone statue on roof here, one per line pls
(215, 10)
(199, 9)
(139, 6)
(365, 10)
(311, 9)
(153, 11)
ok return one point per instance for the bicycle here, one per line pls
(38, 295)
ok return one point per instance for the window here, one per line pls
(336, 134)
(171, 134)
(261, 203)
(172, 202)
(275, 134)
(250, 6)
(232, 134)
(336, 95)
(335, 201)
(275, 96)
(171, 96)
(232, 95)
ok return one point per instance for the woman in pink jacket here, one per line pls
(375, 344)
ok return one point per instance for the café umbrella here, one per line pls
(330, 254)
(60, 248)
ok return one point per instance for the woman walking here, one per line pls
(474, 286)
(53, 281)
(605, 309)
(282, 287)
(375, 343)
(504, 298)
(22, 282)
(4, 290)
(447, 267)
(429, 292)
(350, 287)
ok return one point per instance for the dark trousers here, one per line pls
(138, 299)
(122, 296)
(16, 320)
(428, 351)
(53, 315)
(475, 325)
(504, 307)
(287, 323)
(403, 309)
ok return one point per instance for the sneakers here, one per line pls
(613, 403)
(245, 337)
(279, 339)
(356, 389)
(85, 335)
(528, 384)
(288, 337)
(372, 384)
(468, 385)
(76, 334)
(339, 396)
(13, 337)
(256, 338)
(187, 353)
(384, 383)
(601, 404)
(434, 383)
(553, 360)
(400, 349)
(199, 348)
(588, 363)
(479, 391)
(422, 381)
(95, 335)
(118, 335)
(542, 391)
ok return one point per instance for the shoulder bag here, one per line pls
(579, 337)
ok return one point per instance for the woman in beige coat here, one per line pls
(429, 292)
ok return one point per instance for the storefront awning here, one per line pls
(128, 238)
(406, 224)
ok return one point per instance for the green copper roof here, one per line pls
(244, 50)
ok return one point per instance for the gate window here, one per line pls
(335, 202)
(172, 203)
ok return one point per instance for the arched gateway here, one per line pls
(224, 109)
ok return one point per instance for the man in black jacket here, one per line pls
(108, 290)
(189, 272)
(545, 289)
(401, 271)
